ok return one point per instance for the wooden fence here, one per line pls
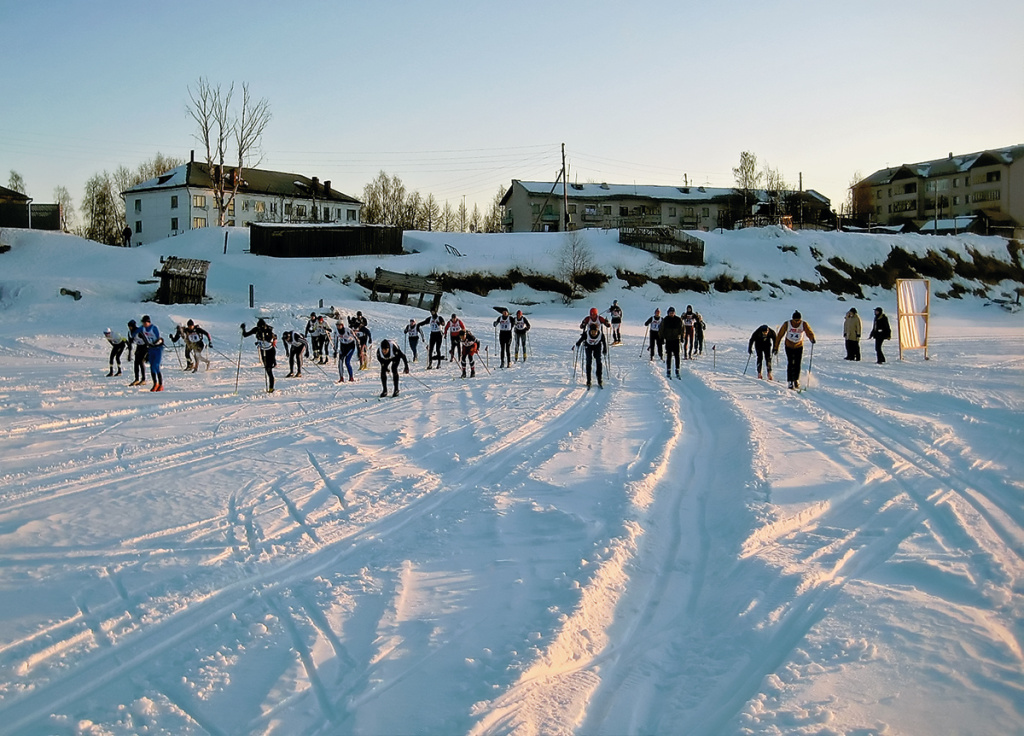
(668, 243)
(403, 284)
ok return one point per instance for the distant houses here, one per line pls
(982, 192)
(182, 199)
(543, 206)
(18, 210)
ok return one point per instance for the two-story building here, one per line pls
(183, 199)
(530, 206)
(986, 187)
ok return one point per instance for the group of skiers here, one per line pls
(673, 336)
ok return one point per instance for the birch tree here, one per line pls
(227, 134)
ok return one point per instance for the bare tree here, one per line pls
(16, 183)
(492, 221)
(574, 261)
(747, 177)
(103, 210)
(62, 197)
(447, 221)
(222, 132)
(462, 217)
(858, 197)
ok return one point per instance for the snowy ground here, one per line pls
(511, 553)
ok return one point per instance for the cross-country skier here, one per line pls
(592, 318)
(295, 346)
(413, 334)
(881, 332)
(520, 327)
(616, 314)
(469, 346)
(762, 340)
(689, 331)
(434, 350)
(671, 333)
(118, 343)
(454, 329)
(363, 339)
(266, 344)
(193, 336)
(851, 334)
(654, 324)
(792, 333)
(141, 352)
(594, 346)
(345, 343)
(504, 323)
(698, 334)
(155, 347)
(388, 355)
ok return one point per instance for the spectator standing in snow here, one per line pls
(434, 350)
(388, 355)
(881, 332)
(266, 344)
(671, 333)
(792, 333)
(615, 311)
(413, 335)
(155, 348)
(520, 328)
(762, 340)
(653, 323)
(851, 334)
(118, 343)
(505, 324)
(595, 346)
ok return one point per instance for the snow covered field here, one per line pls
(510, 554)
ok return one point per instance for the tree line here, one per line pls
(386, 201)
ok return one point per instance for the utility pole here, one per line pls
(565, 195)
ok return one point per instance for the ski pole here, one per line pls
(643, 343)
(810, 364)
(174, 345)
(748, 363)
(238, 367)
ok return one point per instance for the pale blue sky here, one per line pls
(458, 98)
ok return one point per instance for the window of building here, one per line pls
(352, 215)
(138, 205)
(138, 226)
(956, 199)
(910, 188)
(260, 207)
(688, 212)
(608, 210)
(174, 224)
(956, 183)
(623, 211)
(174, 202)
(989, 177)
(246, 205)
(572, 209)
(288, 209)
(198, 222)
(300, 210)
(705, 212)
(231, 207)
(989, 195)
(671, 211)
(199, 201)
(273, 208)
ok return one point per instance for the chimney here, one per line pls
(951, 155)
(316, 184)
(327, 186)
(192, 156)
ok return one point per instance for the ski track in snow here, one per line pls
(508, 554)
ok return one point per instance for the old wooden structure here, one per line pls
(670, 244)
(388, 283)
(182, 280)
(323, 241)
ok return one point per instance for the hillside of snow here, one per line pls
(510, 553)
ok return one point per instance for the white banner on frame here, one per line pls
(913, 303)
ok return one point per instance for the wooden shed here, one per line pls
(670, 244)
(182, 280)
(390, 283)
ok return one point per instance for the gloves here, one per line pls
(243, 327)
(406, 371)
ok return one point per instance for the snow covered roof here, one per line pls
(254, 181)
(946, 166)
